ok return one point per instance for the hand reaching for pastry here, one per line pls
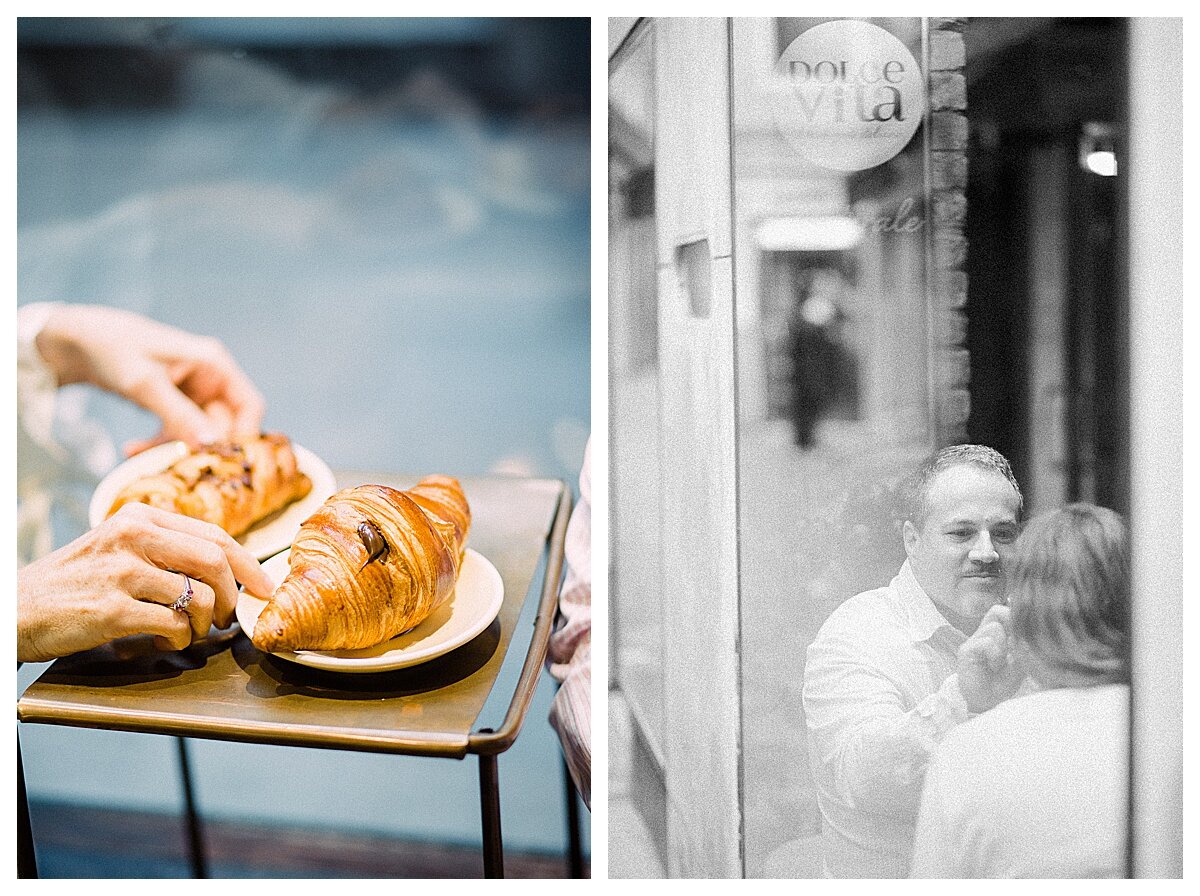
(190, 382)
(121, 579)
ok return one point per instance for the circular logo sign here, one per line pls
(851, 95)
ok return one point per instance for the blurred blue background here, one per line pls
(387, 223)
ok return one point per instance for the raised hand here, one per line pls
(987, 671)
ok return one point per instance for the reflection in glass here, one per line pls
(833, 408)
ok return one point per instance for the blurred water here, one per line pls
(404, 277)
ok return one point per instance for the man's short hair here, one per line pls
(1069, 593)
(954, 456)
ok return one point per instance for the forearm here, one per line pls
(37, 387)
(32, 320)
(879, 760)
(60, 342)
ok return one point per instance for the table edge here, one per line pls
(33, 711)
(486, 742)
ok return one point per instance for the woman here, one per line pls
(1037, 786)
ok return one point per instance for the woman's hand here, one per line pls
(117, 580)
(191, 382)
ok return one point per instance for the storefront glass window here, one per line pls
(832, 249)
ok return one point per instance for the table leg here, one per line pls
(26, 857)
(194, 829)
(489, 804)
(574, 841)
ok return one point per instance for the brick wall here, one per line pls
(948, 280)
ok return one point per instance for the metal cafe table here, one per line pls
(232, 691)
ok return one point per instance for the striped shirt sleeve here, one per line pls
(571, 644)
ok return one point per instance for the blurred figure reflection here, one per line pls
(814, 366)
(1037, 787)
(823, 372)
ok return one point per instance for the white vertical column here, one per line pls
(1155, 173)
(702, 744)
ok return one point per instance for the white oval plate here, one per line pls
(475, 602)
(274, 534)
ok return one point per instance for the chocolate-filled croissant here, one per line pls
(371, 563)
(231, 484)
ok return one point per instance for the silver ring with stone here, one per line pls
(185, 598)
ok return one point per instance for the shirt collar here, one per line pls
(924, 618)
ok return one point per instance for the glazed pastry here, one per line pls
(231, 484)
(371, 563)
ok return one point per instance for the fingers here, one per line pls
(986, 666)
(221, 417)
(1000, 614)
(977, 651)
(999, 659)
(222, 420)
(181, 417)
(243, 564)
(205, 553)
(989, 647)
(164, 587)
(243, 400)
(203, 561)
(228, 396)
(137, 446)
(999, 622)
(172, 630)
(194, 386)
(996, 624)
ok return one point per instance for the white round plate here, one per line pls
(475, 602)
(274, 534)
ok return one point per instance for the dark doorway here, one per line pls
(1046, 319)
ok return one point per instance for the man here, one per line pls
(894, 669)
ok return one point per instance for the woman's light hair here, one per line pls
(1069, 593)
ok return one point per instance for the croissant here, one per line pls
(372, 562)
(231, 484)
